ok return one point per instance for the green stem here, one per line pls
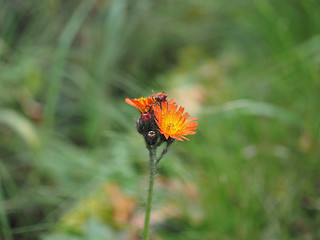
(152, 169)
(165, 150)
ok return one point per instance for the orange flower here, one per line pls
(173, 123)
(143, 104)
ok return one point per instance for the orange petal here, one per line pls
(129, 101)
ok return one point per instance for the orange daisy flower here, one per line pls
(172, 122)
(143, 104)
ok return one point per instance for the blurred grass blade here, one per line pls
(10, 187)
(33, 228)
(109, 54)
(249, 107)
(62, 50)
(4, 223)
(20, 125)
(113, 36)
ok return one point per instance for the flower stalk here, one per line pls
(164, 151)
(152, 173)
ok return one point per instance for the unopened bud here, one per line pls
(145, 116)
(151, 138)
(144, 123)
(151, 134)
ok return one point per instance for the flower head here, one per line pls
(143, 104)
(172, 122)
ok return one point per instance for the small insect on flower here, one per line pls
(159, 97)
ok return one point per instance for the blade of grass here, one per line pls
(10, 186)
(254, 108)
(107, 57)
(5, 226)
(33, 228)
(21, 125)
(62, 50)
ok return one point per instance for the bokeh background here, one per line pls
(72, 165)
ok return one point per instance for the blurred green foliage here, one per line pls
(249, 70)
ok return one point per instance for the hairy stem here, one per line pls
(165, 150)
(152, 172)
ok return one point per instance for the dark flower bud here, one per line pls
(151, 138)
(140, 126)
(144, 123)
(145, 116)
(151, 134)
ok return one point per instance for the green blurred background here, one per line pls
(72, 165)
